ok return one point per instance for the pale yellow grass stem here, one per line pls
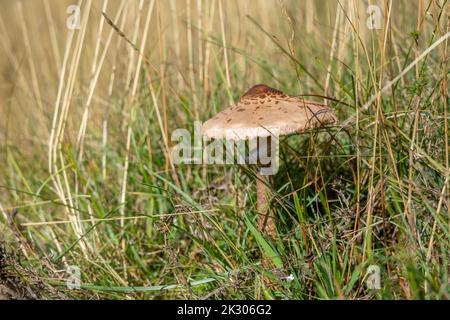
(332, 51)
(31, 64)
(152, 216)
(208, 49)
(191, 59)
(225, 49)
(53, 38)
(176, 41)
(56, 139)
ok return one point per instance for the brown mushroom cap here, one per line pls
(263, 111)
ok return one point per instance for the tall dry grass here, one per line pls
(86, 117)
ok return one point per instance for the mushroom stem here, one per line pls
(265, 220)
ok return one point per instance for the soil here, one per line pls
(19, 283)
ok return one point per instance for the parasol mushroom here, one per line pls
(264, 112)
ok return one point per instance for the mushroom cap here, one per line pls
(263, 111)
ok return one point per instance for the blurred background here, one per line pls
(88, 102)
(199, 49)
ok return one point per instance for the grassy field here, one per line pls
(87, 181)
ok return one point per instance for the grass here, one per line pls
(86, 174)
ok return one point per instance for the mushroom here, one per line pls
(264, 112)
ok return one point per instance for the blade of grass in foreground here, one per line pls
(131, 289)
(266, 248)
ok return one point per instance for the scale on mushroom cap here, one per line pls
(264, 112)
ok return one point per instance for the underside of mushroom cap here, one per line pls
(263, 111)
